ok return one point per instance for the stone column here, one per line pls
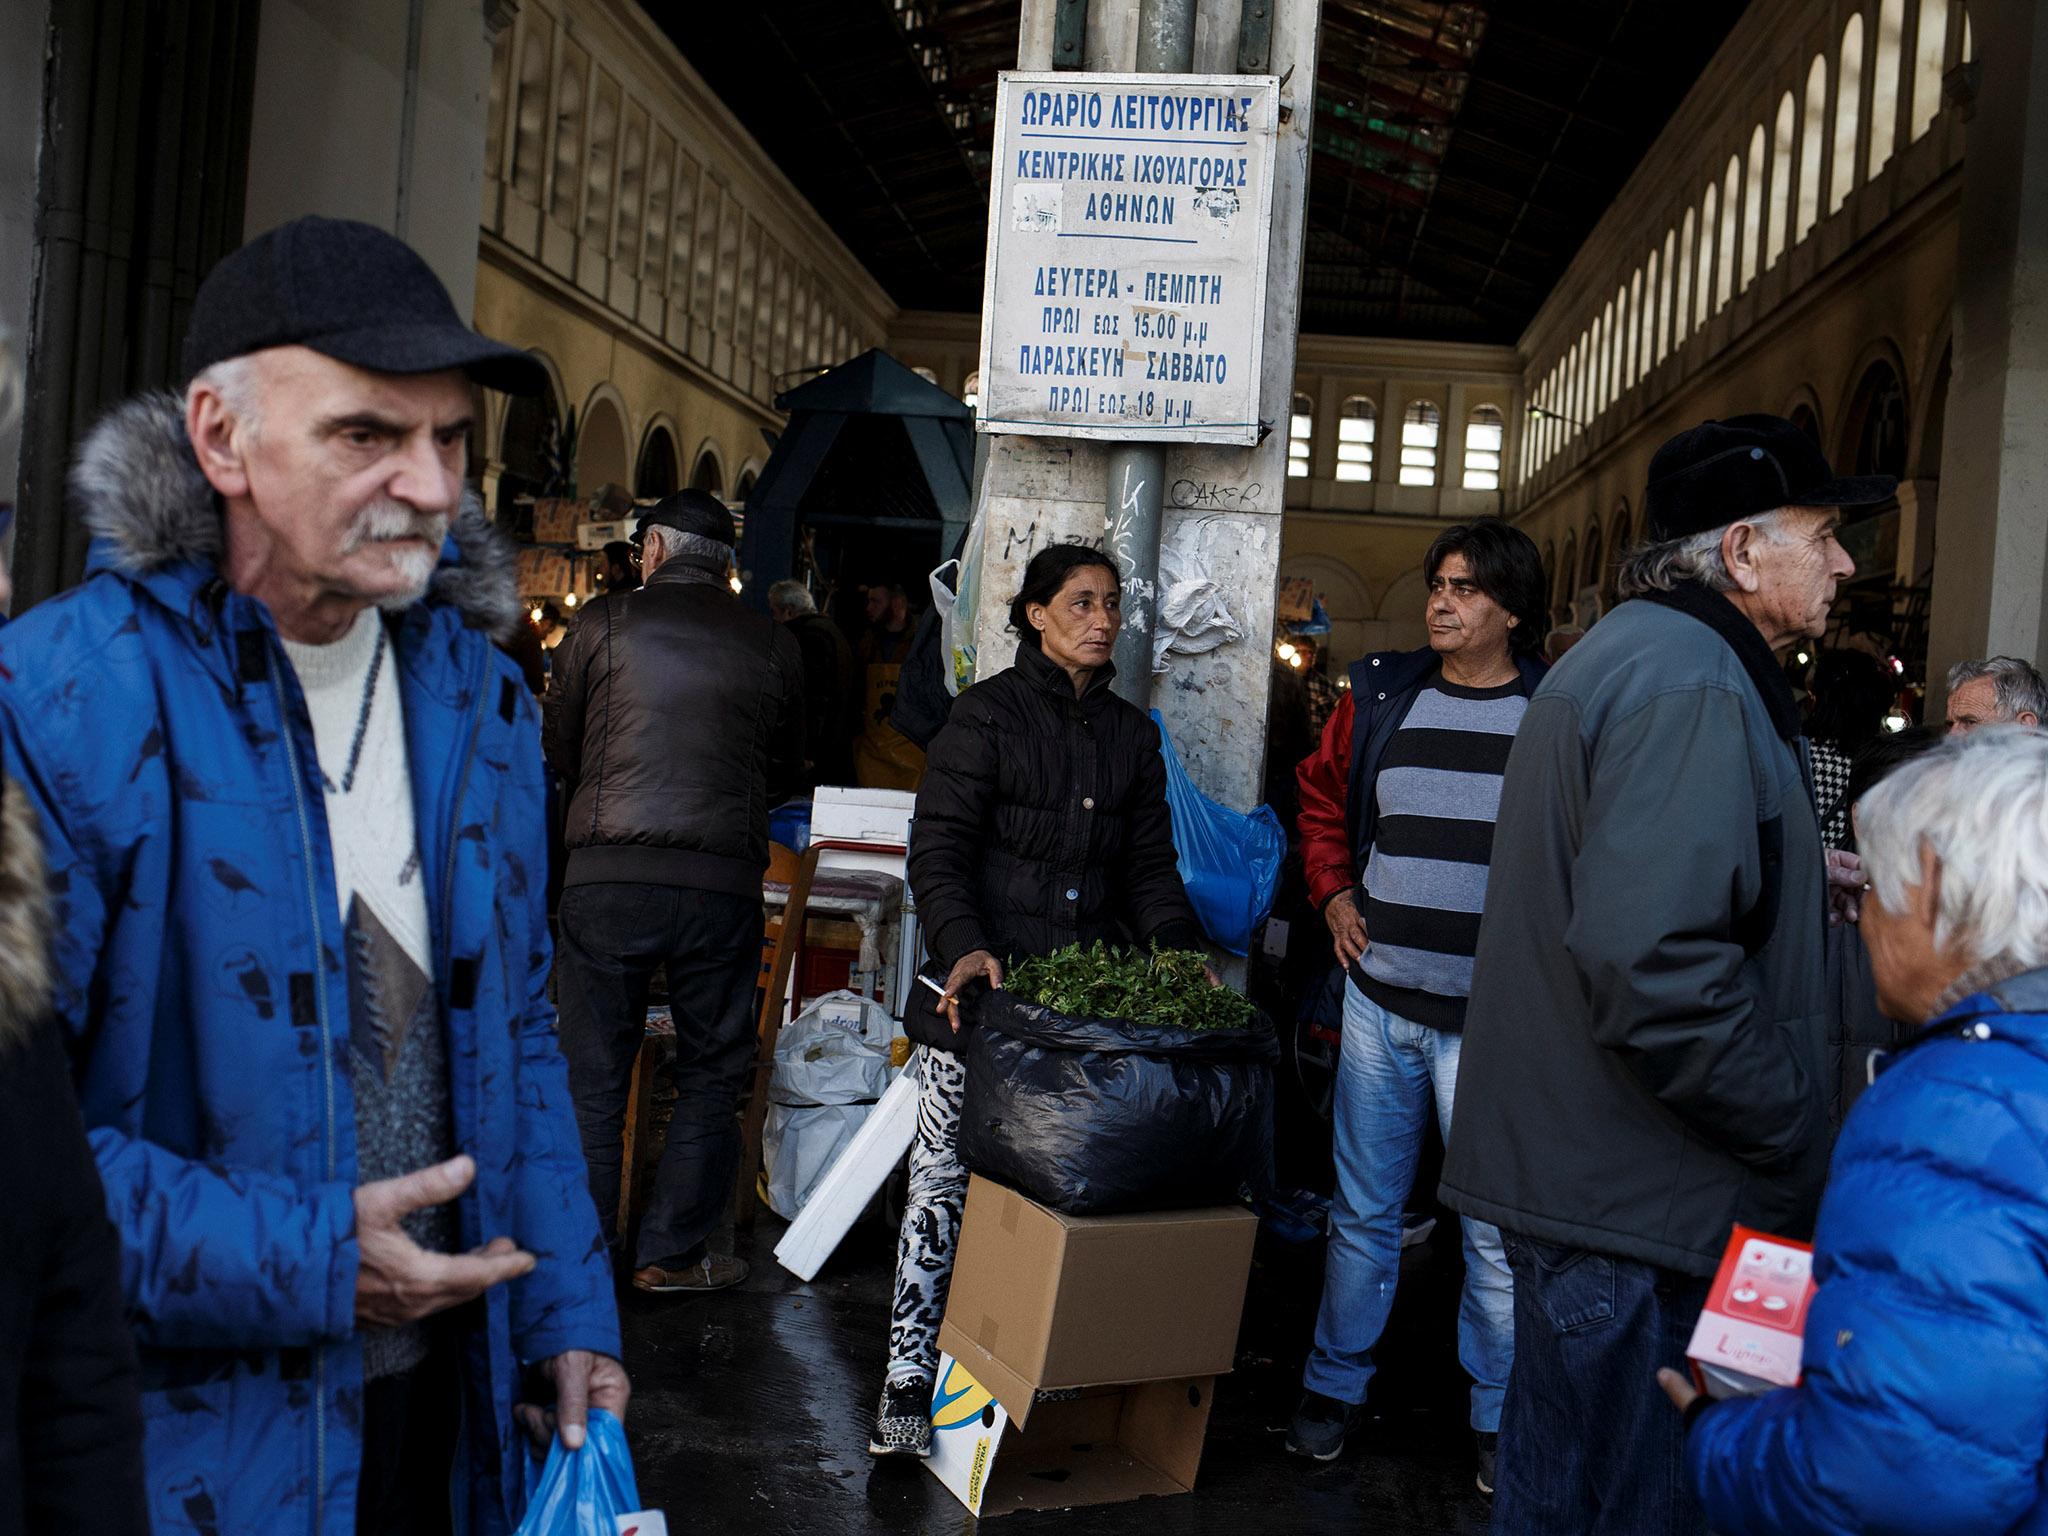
(1223, 504)
(1993, 545)
(374, 110)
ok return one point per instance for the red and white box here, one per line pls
(1750, 1334)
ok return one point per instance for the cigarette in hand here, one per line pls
(944, 995)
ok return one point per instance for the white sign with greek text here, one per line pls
(1129, 219)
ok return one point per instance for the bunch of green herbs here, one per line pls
(1160, 988)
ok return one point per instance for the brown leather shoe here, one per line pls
(713, 1272)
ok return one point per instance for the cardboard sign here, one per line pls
(1129, 220)
(1750, 1335)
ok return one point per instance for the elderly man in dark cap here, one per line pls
(292, 801)
(675, 720)
(1646, 1054)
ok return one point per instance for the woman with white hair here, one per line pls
(1924, 1404)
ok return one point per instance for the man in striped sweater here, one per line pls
(1397, 813)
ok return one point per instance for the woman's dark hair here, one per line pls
(1852, 690)
(1891, 751)
(1046, 574)
(1506, 566)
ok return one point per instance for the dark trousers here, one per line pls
(614, 935)
(1589, 1444)
(409, 1429)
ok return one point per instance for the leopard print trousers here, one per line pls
(931, 1218)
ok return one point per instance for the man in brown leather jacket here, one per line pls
(675, 720)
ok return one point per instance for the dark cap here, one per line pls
(350, 292)
(1721, 472)
(697, 512)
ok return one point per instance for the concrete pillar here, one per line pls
(1993, 560)
(374, 110)
(1224, 504)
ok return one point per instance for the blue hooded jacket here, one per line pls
(153, 720)
(1924, 1402)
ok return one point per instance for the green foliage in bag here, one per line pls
(1162, 989)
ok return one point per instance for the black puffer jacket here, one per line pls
(1042, 821)
(675, 719)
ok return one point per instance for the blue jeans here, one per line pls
(1390, 1067)
(1589, 1444)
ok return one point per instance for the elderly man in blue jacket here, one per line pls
(293, 802)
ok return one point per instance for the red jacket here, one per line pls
(1325, 777)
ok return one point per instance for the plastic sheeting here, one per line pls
(1193, 614)
(1090, 1116)
(829, 1071)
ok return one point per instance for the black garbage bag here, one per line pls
(1091, 1116)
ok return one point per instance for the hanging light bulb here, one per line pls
(534, 613)
(734, 582)
(569, 601)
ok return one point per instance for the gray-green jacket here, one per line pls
(1645, 1056)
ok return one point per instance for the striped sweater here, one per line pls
(1438, 791)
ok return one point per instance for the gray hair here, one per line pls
(2014, 683)
(1980, 804)
(1671, 563)
(672, 543)
(234, 380)
(792, 596)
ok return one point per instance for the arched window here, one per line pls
(1884, 84)
(1753, 208)
(658, 470)
(1567, 570)
(1848, 102)
(707, 476)
(1575, 398)
(571, 81)
(1969, 39)
(1681, 309)
(1781, 179)
(1610, 349)
(661, 174)
(1930, 58)
(1634, 364)
(1724, 270)
(1485, 431)
(1649, 355)
(1703, 279)
(1357, 426)
(1617, 548)
(1420, 426)
(1300, 427)
(524, 447)
(530, 113)
(1590, 577)
(1802, 416)
(597, 173)
(1603, 355)
(1874, 434)
(743, 487)
(1664, 294)
(632, 192)
(1549, 566)
(1813, 117)
(970, 392)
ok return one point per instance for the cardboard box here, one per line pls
(1751, 1333)
(1079, 1352)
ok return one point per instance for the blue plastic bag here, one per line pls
(582, 1493)
(790, 825)
(1229, 860)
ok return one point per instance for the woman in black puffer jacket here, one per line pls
(1042, 821)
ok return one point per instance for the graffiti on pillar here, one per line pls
(1212, 496)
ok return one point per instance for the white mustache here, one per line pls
(386, 521)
